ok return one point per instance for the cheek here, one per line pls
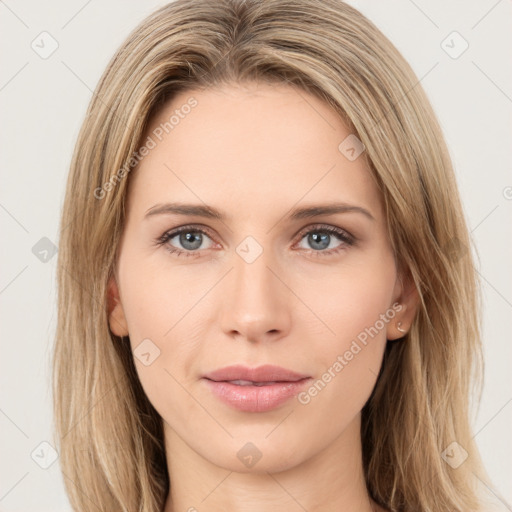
(357, 309)
(353, 299)
(155, 295)
(165, 310)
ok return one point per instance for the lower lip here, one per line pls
(256, 398)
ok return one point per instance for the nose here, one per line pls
(256, 302)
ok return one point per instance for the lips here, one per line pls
(255, 389)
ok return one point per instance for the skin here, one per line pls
(256, 151)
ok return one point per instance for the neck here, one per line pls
(330, 480)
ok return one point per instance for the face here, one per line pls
(264, 280)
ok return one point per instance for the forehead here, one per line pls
(249, 147)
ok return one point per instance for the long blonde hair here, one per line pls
(110, 437)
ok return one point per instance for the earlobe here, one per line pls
(116, 317)
(409, 300)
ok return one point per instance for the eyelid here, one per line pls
(324, 227)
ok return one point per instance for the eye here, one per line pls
(189, 237)
(321, 236)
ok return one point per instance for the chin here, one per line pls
(256, 456)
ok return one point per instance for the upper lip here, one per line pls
(265, 373)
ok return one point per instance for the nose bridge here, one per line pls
(255, 303)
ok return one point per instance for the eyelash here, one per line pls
(347, 239)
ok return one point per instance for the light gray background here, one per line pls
(43, 102)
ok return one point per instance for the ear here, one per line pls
(116, 318)
(405, 294)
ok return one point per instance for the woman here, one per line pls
(266, 288)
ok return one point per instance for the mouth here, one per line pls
(255, 390)
(251, 383)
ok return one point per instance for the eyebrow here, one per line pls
(209, 212)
